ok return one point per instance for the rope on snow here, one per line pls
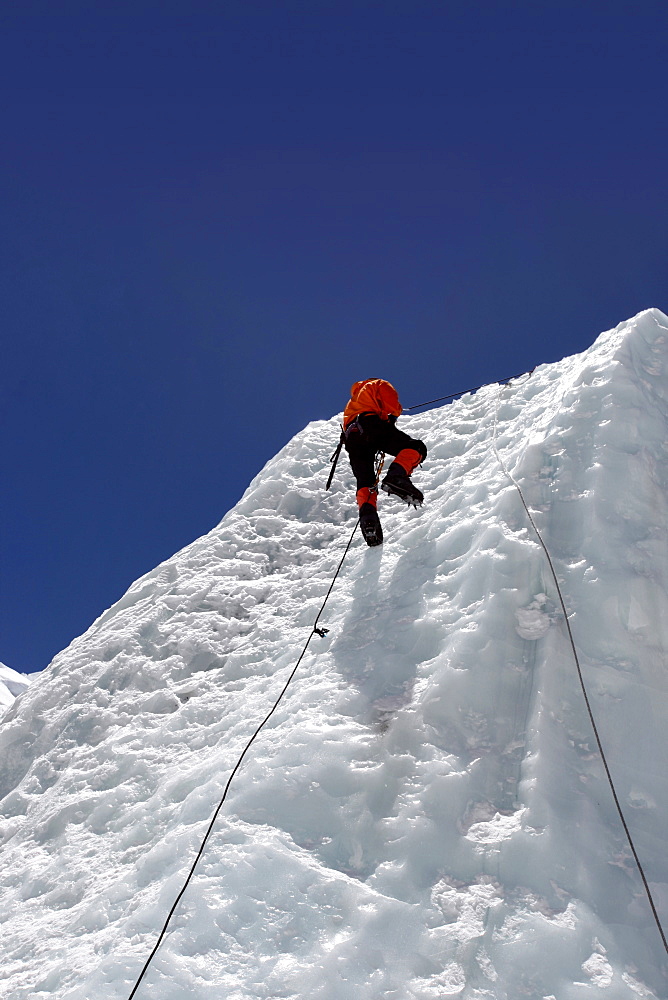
(578, 666)
(464, 392)
(320, 631)
(314, 631)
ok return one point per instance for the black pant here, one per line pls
(369, 434)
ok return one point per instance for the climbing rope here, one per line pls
(320, 631)
(453, 395)
(315, 630)
(581, 679)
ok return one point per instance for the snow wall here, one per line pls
(426, 814)
(11, 685)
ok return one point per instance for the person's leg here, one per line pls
(409, 452)
(362, 453)
(410, 458)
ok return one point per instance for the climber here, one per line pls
(369, 427)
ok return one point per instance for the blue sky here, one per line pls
(217, 216)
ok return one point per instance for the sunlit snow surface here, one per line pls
(11, 685)
(426, 815)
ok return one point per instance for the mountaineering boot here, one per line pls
(398, 483)
(370, 524)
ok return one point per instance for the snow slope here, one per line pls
(11, 685)
(426, 814)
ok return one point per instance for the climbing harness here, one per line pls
(453, 395)
(581, 678)
(354, 427)
(315, 630)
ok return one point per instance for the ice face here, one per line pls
(11, 684)
(426, 814)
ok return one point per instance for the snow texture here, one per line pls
(11, 685)
(426, 814)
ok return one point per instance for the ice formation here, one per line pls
(11, 685)
(426, 815)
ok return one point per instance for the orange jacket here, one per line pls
(372, 395)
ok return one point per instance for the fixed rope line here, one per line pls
(452, 395)
(416, 406)
(590, 712)
(314, 631)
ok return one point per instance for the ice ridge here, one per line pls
(11, 684)
(426, 815)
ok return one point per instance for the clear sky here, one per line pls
(216, 216)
